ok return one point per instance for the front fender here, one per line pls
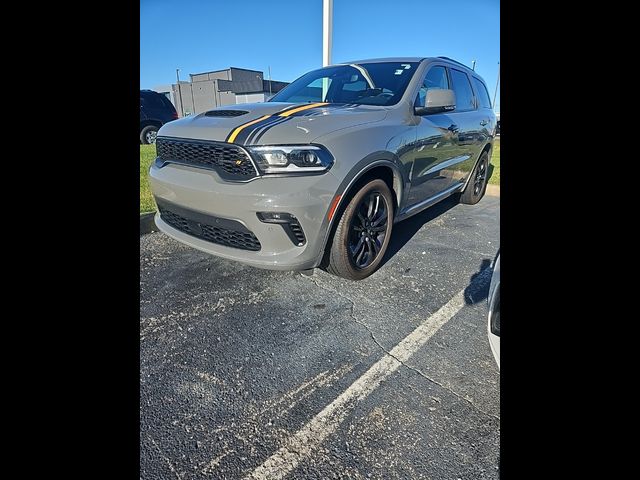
(373, 160)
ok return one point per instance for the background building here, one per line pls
(219, 87)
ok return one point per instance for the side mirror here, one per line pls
(438, 100)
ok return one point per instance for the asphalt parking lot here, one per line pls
(248, 373)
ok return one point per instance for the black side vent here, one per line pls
(225, 113)
(289, 223)
(297, 232)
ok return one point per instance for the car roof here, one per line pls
(388, 59)
(410, 59)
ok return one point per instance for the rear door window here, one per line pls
(462, 88)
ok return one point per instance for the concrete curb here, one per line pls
(493, 190)
(147, 225)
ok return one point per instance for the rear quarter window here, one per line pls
(483, 95)
(167, 103)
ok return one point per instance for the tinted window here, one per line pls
(356, 86)
(167, 103)
(462, 89)
(436, 78)
(364, 84)
(311, 92)
(152, 100)
(483, 95)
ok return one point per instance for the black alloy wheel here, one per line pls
(363, 232)
(480, 177)
(477, 185)
(368, 230)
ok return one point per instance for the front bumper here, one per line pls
(306, 197)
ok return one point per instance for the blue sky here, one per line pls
(202, 35)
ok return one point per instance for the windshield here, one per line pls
(362, 84)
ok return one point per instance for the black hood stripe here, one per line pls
(260, 133)
(252, 131)
(257, 133)
(244, 136)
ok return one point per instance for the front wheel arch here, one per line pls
(365, 230)
(369, 168)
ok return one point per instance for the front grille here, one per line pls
(230, 161)
(222, 231)
(225, 113)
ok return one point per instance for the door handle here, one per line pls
(484, 122)
(453, 127)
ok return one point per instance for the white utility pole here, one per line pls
(179, 90)
(327, 34)
(327, 31)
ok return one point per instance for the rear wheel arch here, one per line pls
(488, 148)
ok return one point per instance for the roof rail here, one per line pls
(454, 61)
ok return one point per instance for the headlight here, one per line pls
(292, 158)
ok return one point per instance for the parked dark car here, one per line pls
(155, 111)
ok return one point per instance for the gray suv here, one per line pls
(318, 175)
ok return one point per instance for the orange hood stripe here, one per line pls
(285, 113)
(235, 133)
(300, 109)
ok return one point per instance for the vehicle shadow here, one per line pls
(405, 230)
(478, 288)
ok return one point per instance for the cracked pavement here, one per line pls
(234, 360)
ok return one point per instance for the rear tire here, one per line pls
(148, 134)
(474, 191)
(363, 232)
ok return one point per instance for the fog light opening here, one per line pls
(289, 224)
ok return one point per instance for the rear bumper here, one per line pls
(207, 195)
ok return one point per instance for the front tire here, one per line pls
(474, 191)
(148, 134)
(363, 232)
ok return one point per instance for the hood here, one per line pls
(271, 123)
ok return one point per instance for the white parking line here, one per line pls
(310, 436)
